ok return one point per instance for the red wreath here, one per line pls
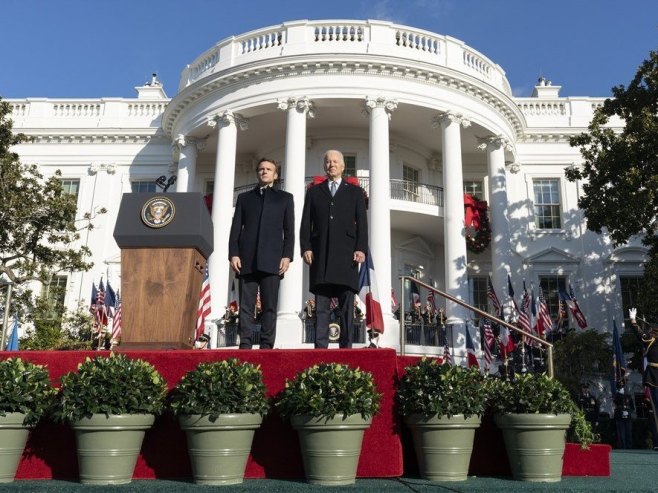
(476, 217)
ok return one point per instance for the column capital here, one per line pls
(182, 140)
(514, 167)
(450, 117)
(302, 105)
(494, 142)
(226, 118)
(389, 105)
(110, 169)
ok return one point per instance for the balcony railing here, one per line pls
(420, 193)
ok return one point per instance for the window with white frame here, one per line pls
(139, 186)
(630, 293)
(479, 294)
(551, 287)
(55, 293)
(71, 186)
(411, 177)
(474, 188)
(547, 203)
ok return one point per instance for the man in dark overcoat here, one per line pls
(334, 239)
(260, 248)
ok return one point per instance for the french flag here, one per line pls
(370, 297)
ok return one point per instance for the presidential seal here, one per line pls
(157, 212)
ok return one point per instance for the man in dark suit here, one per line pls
(260, 248)
(334, 239)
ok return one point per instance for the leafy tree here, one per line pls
(37, 219)
(620, 170)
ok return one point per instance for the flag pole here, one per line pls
(5, 321)
(402, 326)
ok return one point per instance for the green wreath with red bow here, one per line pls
(476, 221)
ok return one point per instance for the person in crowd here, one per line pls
(624, 408)
(261, 246)
(334, 241)
(649, 340)
(590, 406)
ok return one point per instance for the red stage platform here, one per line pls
(50, 452)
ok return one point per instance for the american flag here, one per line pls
(101, 308)
(204, 306)
(430, 298)
(487, 344)
(544, 321)
(333, 303)
(447, 357)
(561, 313)
(575, 309)
(524, 317)
(116, 322)
(491, 294)
(394, 301)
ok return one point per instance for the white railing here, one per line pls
(375, 38)
(543, 108)
(67, 110)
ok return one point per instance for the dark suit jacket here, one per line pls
(262, 232)
(334, 228)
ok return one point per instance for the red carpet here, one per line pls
(50, 452)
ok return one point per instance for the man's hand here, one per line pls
(632, 313)
(308, 257)
(359, 257)
(236, 265)
(283, 265)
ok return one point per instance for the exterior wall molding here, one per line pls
(54, 138)
(245, 77)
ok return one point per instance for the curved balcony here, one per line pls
(408, 191)
(331, 37)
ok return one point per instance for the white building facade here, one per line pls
(421, 118)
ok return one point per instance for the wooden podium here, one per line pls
(165, 241)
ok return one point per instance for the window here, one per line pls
(474, 188)
(210, 187)
(479, 295)
(551, 286)
(630, 293)
(143, 186)
(350, 165)
(547, 203)
(71, 186)
(54, 293)
(415, 271)
(411, 177)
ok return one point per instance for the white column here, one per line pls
(222, 208)
(498, 213)
(186, 173)
(379, 224)
(291, 302)
(456, 279)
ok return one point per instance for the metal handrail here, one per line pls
(548, 345)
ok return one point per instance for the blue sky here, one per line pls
(103, 48)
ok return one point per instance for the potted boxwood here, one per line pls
(219, 406)
(534, 413)
(110, 402)
(25, 396)
(330, 405)
(443, 406)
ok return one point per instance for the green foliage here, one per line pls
(37, 217)
(110, 385)
(54, 328)
(25, 388)
(329, 389)
(620, 171)
(221, 387)
(445, 390)
(581, 356)
(532, 393)
(580, 430)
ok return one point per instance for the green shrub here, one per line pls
(25, 388)
(110, 385)
(430, 388)
(222, 387)
(328, 390)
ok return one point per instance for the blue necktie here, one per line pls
(334, 185)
